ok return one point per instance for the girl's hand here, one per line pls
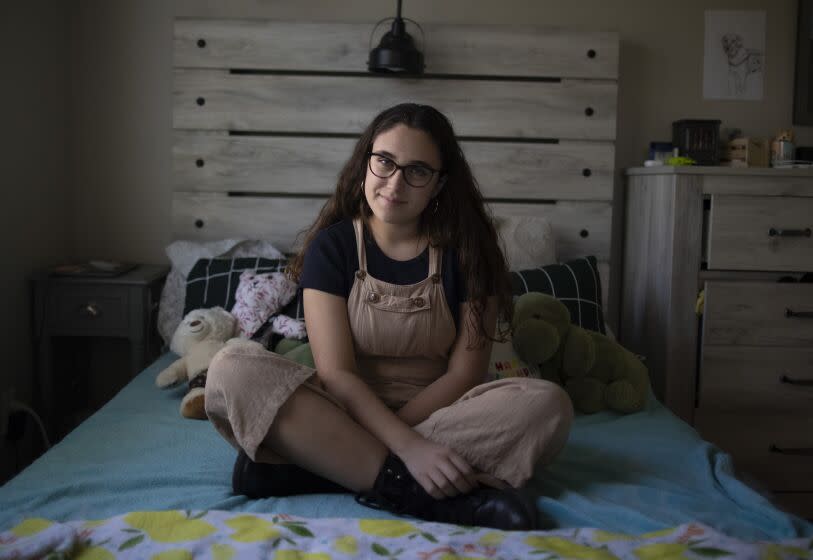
(441, 471)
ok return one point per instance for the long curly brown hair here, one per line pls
(460, 221)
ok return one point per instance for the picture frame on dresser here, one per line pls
(712, 295)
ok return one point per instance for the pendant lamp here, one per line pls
(396, 52)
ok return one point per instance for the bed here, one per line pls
(264, 114)
(634, 474)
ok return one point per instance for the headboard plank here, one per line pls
(276, 164)
(338, 104)
(209, 216)
(281, 218)
(522, 51)
(571, 170)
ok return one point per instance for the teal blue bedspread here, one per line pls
(633, 474)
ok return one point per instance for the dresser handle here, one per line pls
(773, 232)
(800, 314)
(90, 309)
(801, 382)
(804, 451)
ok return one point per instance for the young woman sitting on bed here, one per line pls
(403, 283)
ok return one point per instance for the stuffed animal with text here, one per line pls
(201, 334)
(596, 371)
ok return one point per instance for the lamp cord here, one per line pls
(423, 37)
(20, 407)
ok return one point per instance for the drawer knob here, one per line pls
(791, 381)
(91, 310)
(806, 451)
(799, 314)
(778, 232)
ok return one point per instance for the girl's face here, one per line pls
(392, 199)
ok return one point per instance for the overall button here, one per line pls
(372, 297)
(436, 278)
(418, 301)
(360, 274)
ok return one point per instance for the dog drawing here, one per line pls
(741, 62)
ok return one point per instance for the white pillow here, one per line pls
(183, 255)
(527, 241)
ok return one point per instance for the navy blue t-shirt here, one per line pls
(331, 262)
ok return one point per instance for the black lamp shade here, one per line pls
(396, 52)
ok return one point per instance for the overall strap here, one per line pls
(435, 254)
(435, 262)
(362, 254)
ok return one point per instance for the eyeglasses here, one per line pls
(415, 175)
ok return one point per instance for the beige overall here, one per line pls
(402, 337)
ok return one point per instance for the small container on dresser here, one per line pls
(77, 309)
(737, 363)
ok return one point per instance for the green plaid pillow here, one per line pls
(213, 282)
(575, 283)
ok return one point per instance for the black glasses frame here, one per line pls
(403, 169)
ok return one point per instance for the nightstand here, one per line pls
(70, 311)
(739, 368)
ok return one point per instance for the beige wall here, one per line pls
(121, 83)
(35, 201)
(122, 87)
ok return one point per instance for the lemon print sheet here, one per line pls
(223, 535)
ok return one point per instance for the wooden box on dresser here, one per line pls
(739, 366)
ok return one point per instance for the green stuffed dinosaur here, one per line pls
(596, 371)
(295, 350)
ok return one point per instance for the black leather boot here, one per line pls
(397, 491)
(263, 480)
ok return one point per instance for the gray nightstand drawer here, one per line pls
(89, 311)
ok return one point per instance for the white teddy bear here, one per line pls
(201, 334)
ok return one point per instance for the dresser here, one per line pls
(718, 295)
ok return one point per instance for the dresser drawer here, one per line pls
(83, 310)
(753, 378)
(758, 314)
(760, 233)
(776, 449)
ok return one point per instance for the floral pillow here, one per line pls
(258, 297)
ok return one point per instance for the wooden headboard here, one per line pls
(266, 112)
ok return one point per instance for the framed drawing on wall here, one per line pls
(802, 90)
